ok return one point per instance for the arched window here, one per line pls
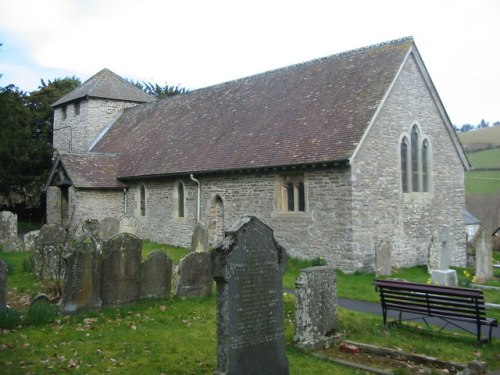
(293, 197)
(404, 165)
(180, 200)
(415, 164)
(415, 157)
(142, 201)
(425, 165)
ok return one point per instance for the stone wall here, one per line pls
(77, 132)
(406, 221)
(95, 204)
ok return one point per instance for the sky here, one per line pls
(197, 43)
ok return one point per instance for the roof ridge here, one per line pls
(293, 66)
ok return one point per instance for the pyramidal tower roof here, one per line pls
(106, 85)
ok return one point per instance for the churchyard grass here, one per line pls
(174, 252)
(178, 336)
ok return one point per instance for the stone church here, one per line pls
(350, 157)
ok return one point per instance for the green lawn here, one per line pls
(482, 181)
(485, 159)
(178, 336)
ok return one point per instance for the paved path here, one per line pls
(374, 308)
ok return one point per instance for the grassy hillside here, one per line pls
(480, 139)
(485, 159)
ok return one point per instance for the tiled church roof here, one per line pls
(313, 112)
(106, 85)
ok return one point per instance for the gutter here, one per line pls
(198, 205)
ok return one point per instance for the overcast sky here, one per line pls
(196, 43)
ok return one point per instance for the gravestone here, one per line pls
(156, 276)
(383, 263)
(194, 276)
(91, 227)
(128, 224)
(316, 307)
(199, 240)
(13, 244)
(108, 228)
(82, 284)
(439, 258)
(248, 269)
(29, 240)
(121, 270)
(50, 249)
(484, 264)
(8, 226)
(3, 285)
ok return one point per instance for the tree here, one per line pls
(159, 92)
(483, 124)
(25, 139)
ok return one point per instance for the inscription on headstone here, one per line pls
(316, 307)
(195, 276)
(248, 268)
(120, 282)
(82, 285)
(156, 276)
(3, 285)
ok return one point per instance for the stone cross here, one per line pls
(248, 269)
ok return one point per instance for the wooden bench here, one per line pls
(451, 305)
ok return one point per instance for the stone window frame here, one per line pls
(77, 108)
(179, 203)
(291, 197)
(64, 110)
(415, 155)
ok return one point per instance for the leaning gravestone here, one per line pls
(156, 276)
(484, 264)
(121, 270)
(82, 285)
(3, 285)
(8, 226)
(316, 307)
(248, 268)
(194, 276)
(199, 240)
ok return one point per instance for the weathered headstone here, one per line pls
(29, 240)
(3, 285)
(91, 227)
(194, 276)
(120, 281)
(8, 226)
(13, 244)
(383, 263)
(128, 224)
(156, 276)
(82, 285)
(439, 259)
(199, 240)
(108, 228)
(484, 264)
(248, 270)
(50, 249)
(316, 307)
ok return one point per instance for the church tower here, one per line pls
(81, 116)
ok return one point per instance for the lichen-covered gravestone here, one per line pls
(316, 307)
(121, 270)
(248, 270)
(156, 276)
(8, 226)
(3, 285)
(195, 276)
(199, 239)
(439, 258)
(484, 264)
(50, 249)
(29, 240)
(82, 286)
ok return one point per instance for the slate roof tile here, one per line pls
(313, 112)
